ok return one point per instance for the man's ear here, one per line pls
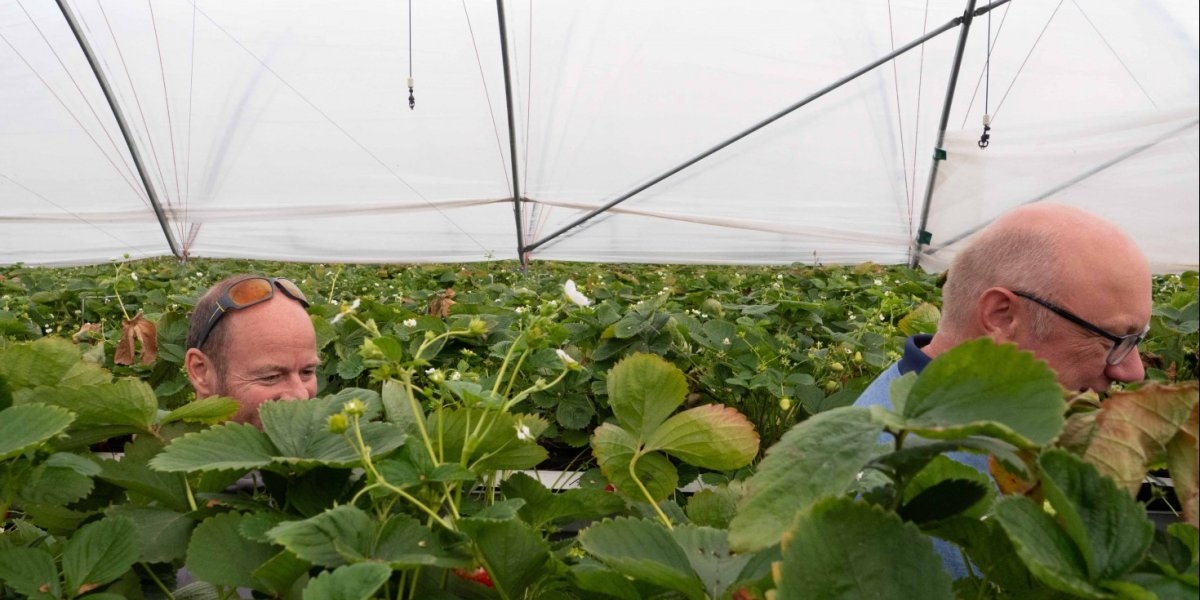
(201, 372)
(997, 314)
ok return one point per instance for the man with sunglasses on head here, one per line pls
(250, 338)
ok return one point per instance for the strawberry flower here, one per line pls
(573, 294)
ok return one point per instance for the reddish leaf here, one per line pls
(1133, 428)
(1013, 484)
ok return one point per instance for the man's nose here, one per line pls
(1128, 370)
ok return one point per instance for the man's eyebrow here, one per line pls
(265, 370)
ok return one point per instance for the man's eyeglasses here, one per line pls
(248, 292)
(1122, 344)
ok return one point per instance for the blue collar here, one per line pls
(914, 359)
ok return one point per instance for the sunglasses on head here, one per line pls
(248, 292)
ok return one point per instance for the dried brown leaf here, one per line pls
(89, 331)
(134, 332)
(1185, 468)
(1132, 429)
(440, 305)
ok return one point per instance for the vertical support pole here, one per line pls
(116, 110)
(939, 153)
(512, 136)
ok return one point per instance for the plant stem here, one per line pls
(504, 365)
(633, 473)
(157, 581)
(187, 487)
(371, 328)
(117, 291)
(365, 456)
(412, 584)
(418, 414)
(517, 369)
(333, 285)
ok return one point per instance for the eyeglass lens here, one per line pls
(249, 291)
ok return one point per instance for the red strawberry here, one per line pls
(479, 575)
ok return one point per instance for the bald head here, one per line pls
(1019, 278)
(1041, 248)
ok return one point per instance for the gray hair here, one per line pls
(1016, 258)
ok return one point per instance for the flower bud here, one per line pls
(355, 407)
(369, 350)
(477, 327)
(338, 423)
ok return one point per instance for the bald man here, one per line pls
(1054, 280)
(251, 339)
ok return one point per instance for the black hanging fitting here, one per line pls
(984, 139)
(412, 100)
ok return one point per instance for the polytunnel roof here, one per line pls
(281, 129)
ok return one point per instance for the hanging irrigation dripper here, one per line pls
(985, 139)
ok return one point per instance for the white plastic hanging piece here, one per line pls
(987, 119)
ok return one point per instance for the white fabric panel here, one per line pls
(1139, 171)
(280, 128)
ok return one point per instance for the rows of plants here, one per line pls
(411, 475)
(777, 343)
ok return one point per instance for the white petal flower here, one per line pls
(566, 358)
(573, 294)
(345, 310)
(410, 322)
(523, 432)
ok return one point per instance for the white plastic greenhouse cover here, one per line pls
(280, 129)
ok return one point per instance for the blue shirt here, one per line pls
(912, 361)
(877, 394)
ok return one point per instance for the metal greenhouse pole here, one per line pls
(939, 154)
(512, 135)
(116, 110)
(833, 86)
